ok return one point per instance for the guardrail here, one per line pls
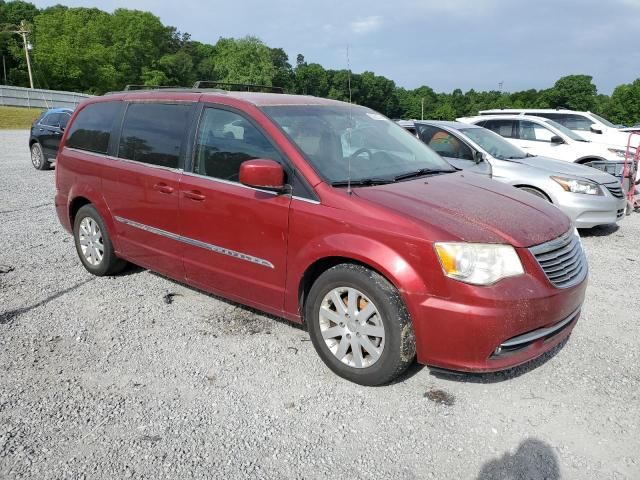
(37, 98)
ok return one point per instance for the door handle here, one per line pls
(194, 195)
(163, 188)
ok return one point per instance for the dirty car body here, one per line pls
(361, 199)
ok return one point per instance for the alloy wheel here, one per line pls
(91, 242)
(352, 327)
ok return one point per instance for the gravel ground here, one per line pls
(137, 376)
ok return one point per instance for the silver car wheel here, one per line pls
(36, 155)
(91, 242)
(352, 327)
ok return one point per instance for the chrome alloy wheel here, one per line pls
(351, 327)
(91, 242)
(36, 155)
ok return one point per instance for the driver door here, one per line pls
(237, 235)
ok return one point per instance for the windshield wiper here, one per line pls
(362, 182)
(423, 171)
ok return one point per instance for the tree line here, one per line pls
(92, 51)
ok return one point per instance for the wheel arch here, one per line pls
(583, 160)
(83, 194)
(317, 268)
(368, 253)
(533, 187)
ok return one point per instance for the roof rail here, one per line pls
(249, 87)
(130, 87)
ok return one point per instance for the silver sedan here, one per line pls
(588, 196)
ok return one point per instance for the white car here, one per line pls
(545, 137)
(587, 124)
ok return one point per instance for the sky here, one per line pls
(444, 44)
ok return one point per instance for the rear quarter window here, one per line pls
(91, 129)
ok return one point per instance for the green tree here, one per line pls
(624, 105)
(73, 48)
(283, 76)
(137, 39)
(575, 92)
(311, 79)
(246, 60)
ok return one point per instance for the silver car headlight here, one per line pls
(478, 263)
(575, 185)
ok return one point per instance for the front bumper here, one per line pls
(483, 329)
(587, 211)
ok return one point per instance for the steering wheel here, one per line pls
(359, 152)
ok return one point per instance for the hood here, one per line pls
(562, 167)
(471, 208)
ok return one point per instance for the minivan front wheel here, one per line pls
(359, 325)
(93, 243)
(38, 160)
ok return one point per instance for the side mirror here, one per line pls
(557, 139)
(478, 157)
(596, 129)
(262, 173)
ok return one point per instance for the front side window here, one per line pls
(354, 143)
(225, 140)
(534, 132)
(444, 143)
(51, 120)
(92, 127)
(569, 120)
(569, 133)
(153, 133)
(504, 128)
(493, 144)
(64, 120)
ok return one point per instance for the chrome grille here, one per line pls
(562, 260)
(615, 189)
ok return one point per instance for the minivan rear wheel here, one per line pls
(359, 325)
(38, 160)
(93, 244)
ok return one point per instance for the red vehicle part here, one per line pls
(630, 171)
(265, 249)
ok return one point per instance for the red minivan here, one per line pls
(324, 213)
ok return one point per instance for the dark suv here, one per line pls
(324, 213)
(46, 133)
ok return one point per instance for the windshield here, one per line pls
(494, 144)
(341, 139)
(603, 120)
(569, 133)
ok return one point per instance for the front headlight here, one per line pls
(619, 153)
(478, 263)
(574, 185)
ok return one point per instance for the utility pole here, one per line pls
(4, 69)
(422, 114)
(24, 32)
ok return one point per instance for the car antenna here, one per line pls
(350, 123)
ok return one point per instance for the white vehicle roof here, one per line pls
(523, 111)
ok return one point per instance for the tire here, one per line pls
(93, 244)
(384, 336)
(38, 160)
(536, 192)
